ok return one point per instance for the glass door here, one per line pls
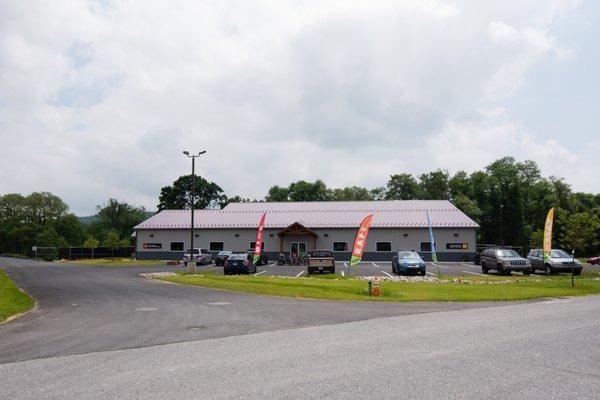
(297, 248)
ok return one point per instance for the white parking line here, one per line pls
(429, 273)
(343, 273)
(375, 265)
(469, 265)
(301, 272)
(261, 272)
(274, 263)
(472, 273)
(346, 264)
(387, 274)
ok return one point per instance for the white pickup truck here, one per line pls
(201, 256)
(321, 261)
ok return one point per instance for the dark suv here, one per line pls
(504, 262)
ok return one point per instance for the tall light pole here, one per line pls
(192, 201)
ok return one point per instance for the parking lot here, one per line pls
(379, 268)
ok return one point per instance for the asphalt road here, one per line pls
(86, 309)
(542, 350)
(104, 332)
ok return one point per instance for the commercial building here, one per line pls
(306, 226)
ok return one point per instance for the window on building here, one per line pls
(340, 246)
(253, 245)
(216, 246)
(384, 246)
(426, 246)
(176, 246)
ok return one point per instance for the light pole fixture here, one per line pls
(191, 266)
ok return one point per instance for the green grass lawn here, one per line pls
(116, 262)
(12, 300)
(510, 288)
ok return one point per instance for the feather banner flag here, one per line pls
(548, 234)
(361, 240)
(431, 240)
(259, 239)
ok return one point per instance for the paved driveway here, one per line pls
(84, 309)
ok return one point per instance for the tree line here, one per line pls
(508, 199)
(43, 219)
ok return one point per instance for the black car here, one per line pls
(238, 264)
(222, 256)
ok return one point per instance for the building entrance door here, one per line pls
(297, 248)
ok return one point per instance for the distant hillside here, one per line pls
(88, 220)
(92, 218)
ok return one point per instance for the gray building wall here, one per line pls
(239, 239)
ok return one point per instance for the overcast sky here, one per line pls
(99, 98)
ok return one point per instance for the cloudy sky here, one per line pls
(99, 98)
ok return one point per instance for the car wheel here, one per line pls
(527, 272)
(499, 269)
(484, 268)
(548, 270)
(577, 272)
(422, 273)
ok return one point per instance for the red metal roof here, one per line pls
(329, 214)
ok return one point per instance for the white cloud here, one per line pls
(99, 98)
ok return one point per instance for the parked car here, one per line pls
(407, 262)
(594, 260)
(238, 264)
(504, 261)
(222, 256)
(321, 261)
(201, 256)
(559, 261)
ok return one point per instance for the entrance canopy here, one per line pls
(296, 229)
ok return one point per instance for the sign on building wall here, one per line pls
(152, 246)
(457, 246)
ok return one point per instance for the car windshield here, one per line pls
(321, 254)
(411, 255)
(225, 253)
(237, 257)
(196, 251)
(559, 254)
(507, 253)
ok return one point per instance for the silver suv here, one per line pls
(504, 262)
(201, 256)
(559, 261)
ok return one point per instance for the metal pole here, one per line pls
(192, 262)
(192, 268)
(573, 268)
